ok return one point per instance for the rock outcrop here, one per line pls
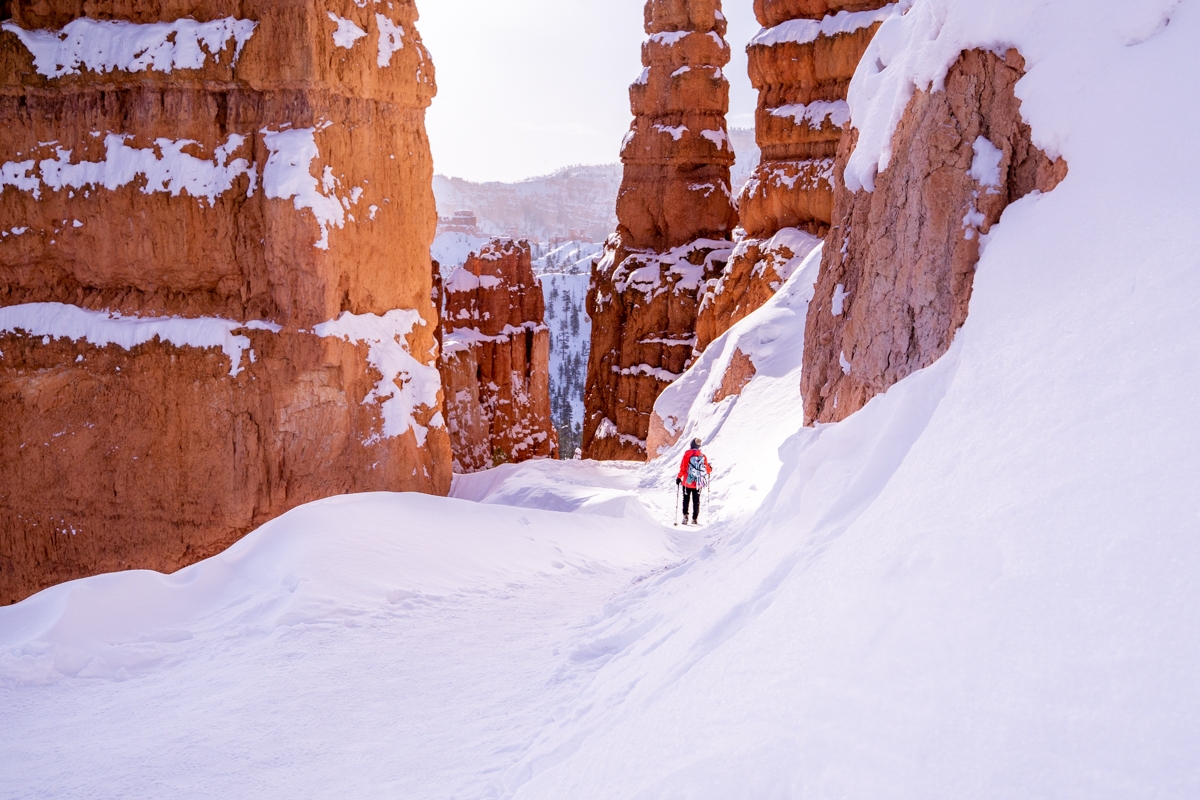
(214, 275)
(801, 64)
(675, 216)
(496, 360)
(757, 268)
(899, 263)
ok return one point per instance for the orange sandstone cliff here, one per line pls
(675, 216)
(801, 64)
(496, 360)
(215, 222)
(899, 262)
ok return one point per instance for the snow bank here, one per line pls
(369, 576)
(405, 384)
(113, 45)
(915, 50)
(773, 338)
(102, 328)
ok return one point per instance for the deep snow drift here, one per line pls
(982, 585)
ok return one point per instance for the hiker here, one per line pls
(693, 474)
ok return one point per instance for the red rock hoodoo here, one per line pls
(675, 216)
(496, 360)
(214, 275)
(899, 263)
(801, 64)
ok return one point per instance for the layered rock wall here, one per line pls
(675, 216)
(214, 275)
(801, 64)
(496, 360)
(899, 263)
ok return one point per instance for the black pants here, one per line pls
(694, 496)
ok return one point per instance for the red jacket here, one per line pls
(683, 467)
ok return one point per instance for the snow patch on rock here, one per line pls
(405, 384)
(118, 46)
(164, 168)
(347, 32)
(102, 328)
(803, 31)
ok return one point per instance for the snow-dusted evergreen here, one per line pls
(570, 340)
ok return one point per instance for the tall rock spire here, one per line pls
(675, 217)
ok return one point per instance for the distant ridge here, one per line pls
(576, 202)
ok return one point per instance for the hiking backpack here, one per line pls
(695, 472)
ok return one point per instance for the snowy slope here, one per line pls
(572, 257)
(451, 249)
(982, 585)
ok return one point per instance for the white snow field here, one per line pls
(986, 584)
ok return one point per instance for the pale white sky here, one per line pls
(528, 86)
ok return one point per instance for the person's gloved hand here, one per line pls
(678, 481)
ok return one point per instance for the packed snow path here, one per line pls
(380, 645)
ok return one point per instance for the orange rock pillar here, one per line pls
(496, 360)
(675, 217)
(214, 275)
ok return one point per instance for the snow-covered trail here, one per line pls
(397, 645)
(378, 644)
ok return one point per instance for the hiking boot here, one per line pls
(685, 520)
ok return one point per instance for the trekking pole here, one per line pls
(677, 505)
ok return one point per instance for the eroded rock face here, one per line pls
(738, 374)
(214, 276)
(757, 269)
(675, 216)
(496, 360)
(899, 263)
(801, 64)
